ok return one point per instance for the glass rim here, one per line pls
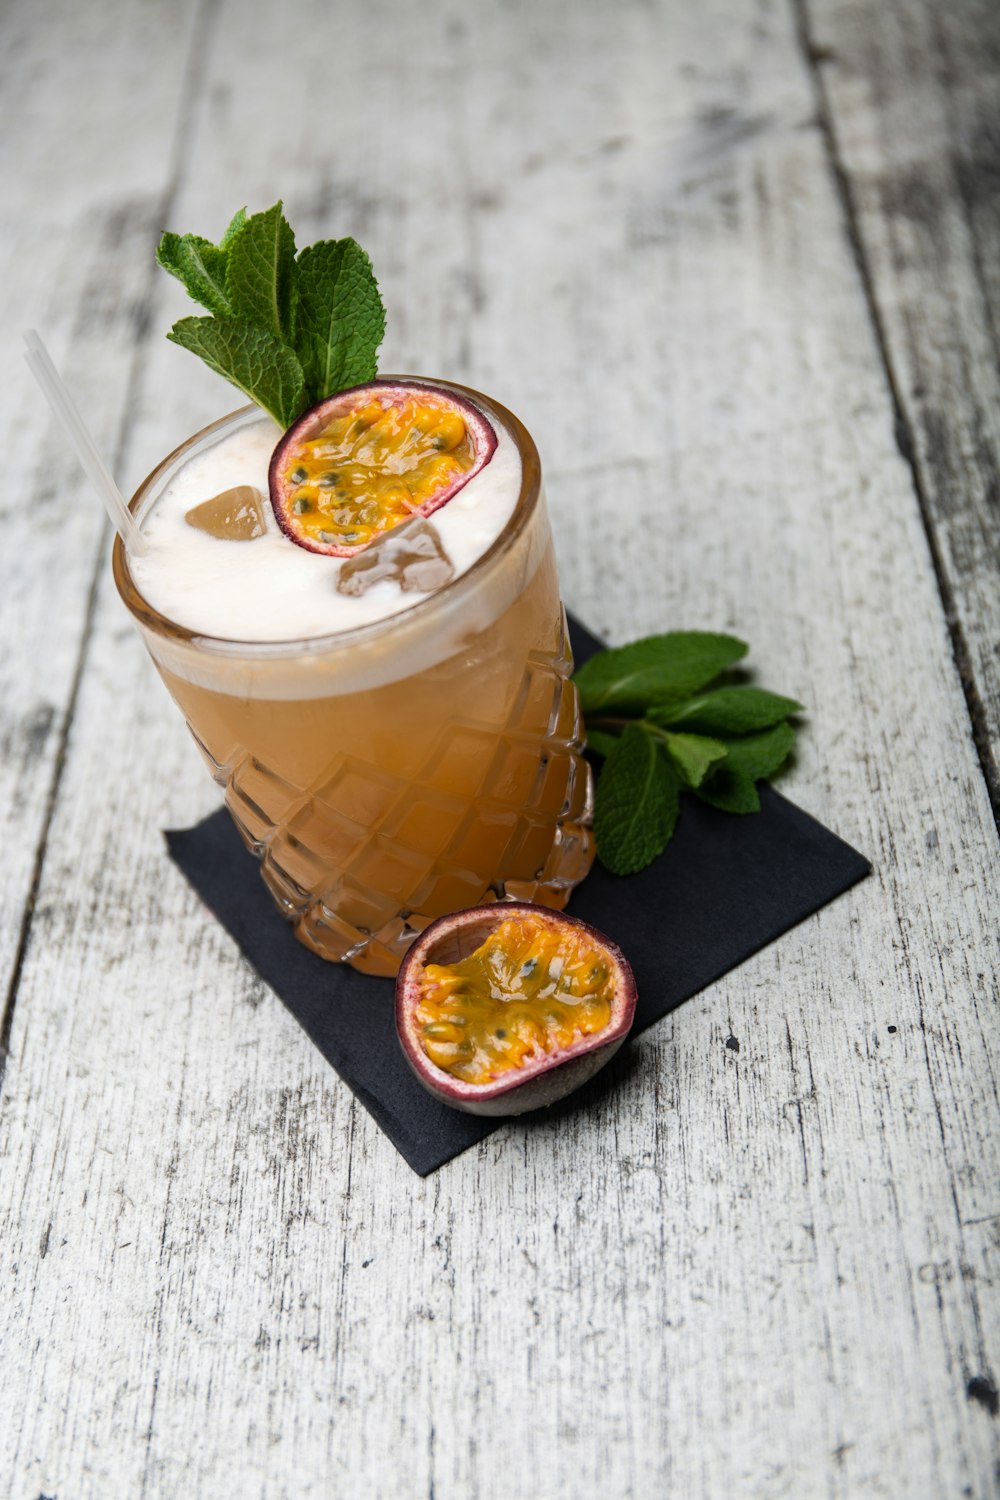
(153, 619)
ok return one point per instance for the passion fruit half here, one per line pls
(502, 1009)
(369, 458)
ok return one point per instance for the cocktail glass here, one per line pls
(389, 774)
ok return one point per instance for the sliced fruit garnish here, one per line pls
(237, 515)
(365, 460)
(504, 1008)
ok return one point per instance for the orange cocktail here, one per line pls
(388, 773)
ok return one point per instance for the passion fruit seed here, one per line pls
(508, 1007)
(491, 984)
(364, 461)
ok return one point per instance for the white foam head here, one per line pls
(265, 618)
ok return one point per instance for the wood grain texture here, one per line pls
(84, 189)
(765, 1270)
(910, 94)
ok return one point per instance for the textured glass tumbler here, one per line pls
(389, 774)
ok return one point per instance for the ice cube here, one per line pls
(237, 515)
(410, 555)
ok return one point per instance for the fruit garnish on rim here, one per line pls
(367, 460)
(505, 1008)
(299, 334)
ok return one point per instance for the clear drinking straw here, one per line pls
(96, 470)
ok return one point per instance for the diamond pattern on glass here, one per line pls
(362, 859)
(460, 760)
(357, 791)
(427, 821)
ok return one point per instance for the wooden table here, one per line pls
(735, 264)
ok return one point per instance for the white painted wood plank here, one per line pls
(224, 1280)
(87, 141)
(913, 92)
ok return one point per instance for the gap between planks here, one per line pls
(812, 55)
(194, 69)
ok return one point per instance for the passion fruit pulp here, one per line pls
(366, 459)
(506, 1008)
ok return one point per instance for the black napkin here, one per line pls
(725, 887)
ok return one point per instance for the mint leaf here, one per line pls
(200, 267)
(258, 364)
(341, 320)
(748, 760)
(727, 710)
(760, 755)
(637, 803)
(260, 278)
(730, 790)
(629, 679)
(599, 742)
(692, 755)
(236, 223)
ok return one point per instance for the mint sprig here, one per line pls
(287, 329)
(659, 726)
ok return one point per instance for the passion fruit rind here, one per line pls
(543, 1080)
(283, 468)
